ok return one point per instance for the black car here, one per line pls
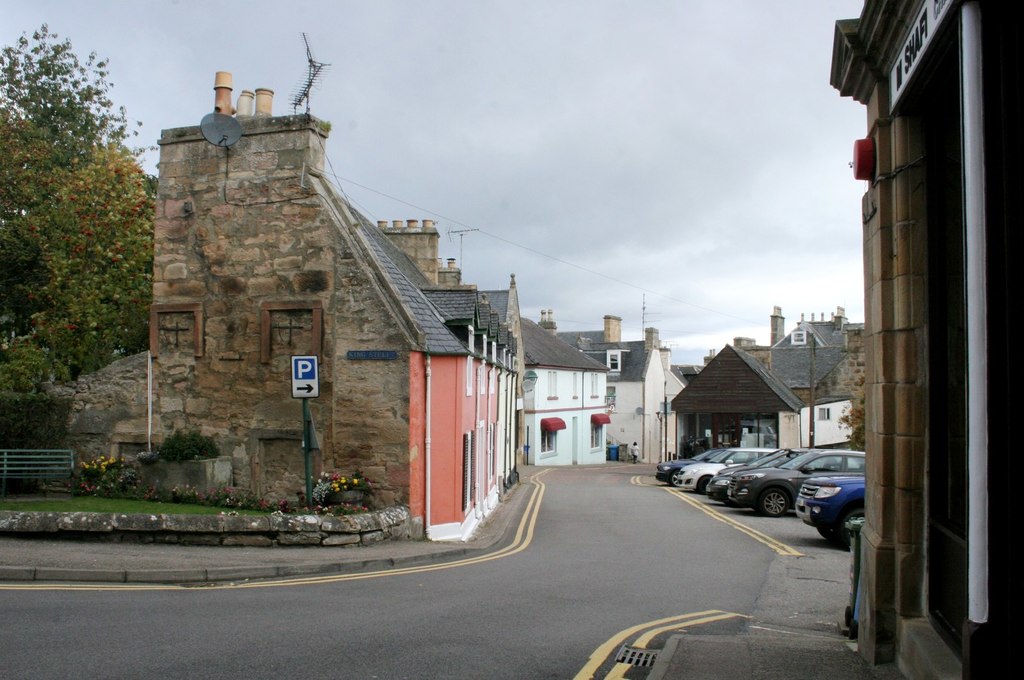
(668, 471)
(771, 491)
(718, 488)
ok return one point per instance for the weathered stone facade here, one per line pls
(256, 261)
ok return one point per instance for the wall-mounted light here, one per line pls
(864, 159)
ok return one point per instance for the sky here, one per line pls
(680, 164)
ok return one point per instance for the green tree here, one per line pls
(854, 418)
(76, 213)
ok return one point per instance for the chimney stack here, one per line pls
(777, 325)
(612, 328)
(651, 339)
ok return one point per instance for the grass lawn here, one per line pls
(115, 505)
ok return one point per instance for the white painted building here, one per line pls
(564, 401)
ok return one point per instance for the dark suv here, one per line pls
(718, 488)
(771, 491)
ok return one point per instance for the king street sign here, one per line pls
(305, 378)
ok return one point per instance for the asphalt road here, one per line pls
(606, 556)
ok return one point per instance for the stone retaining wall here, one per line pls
(244, 530)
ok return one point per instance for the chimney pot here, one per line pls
(264, 102)
(451, 263)
(246, 104)
(397, 225)
(222, 93)
(382, 224)
(428, 224)
(414, 225)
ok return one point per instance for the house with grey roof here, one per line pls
(640, 385)
(791, 393)
(565, 412)
(258, 258)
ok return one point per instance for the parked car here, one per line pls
(772, 491)
(696, 477)
(718, 488)
(665, 472)
(827, 502)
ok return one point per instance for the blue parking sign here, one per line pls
(305, 377)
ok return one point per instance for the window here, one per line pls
(614, 359)
(609, 398)
(469, 376)
(552, 385)
(575, 386)
(824, 413)
(547, 441)
(799, 337)
(467, 466)
(593, 385)
(491, 380)
(595, 435)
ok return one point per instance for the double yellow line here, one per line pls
(522, 540)
(651, 630)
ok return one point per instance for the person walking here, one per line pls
(634, 452)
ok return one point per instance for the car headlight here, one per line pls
(720, 482)
(751, 477)
(826, 492)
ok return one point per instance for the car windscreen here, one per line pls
(707, 455)
(719, 456)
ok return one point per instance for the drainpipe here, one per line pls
(149, 400)
(977, 311)
(426, 452)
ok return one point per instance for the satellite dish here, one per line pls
(220, 129)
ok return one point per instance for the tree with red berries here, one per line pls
(76, 217)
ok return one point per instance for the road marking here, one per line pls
(522, 540)
(778, 546)
(652, 629)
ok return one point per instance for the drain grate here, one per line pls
(640, 658)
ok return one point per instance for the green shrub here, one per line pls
(188, 446)
(33, 421)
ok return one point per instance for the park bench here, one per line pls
(35, 464)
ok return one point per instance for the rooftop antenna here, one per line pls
(462, 233)
(316, 69)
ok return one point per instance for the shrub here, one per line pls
(188, 446)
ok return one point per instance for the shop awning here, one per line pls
(600, 419)
(552, 424)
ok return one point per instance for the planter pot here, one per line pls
(352, 497)
(198, 474)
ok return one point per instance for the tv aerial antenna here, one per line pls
(316, 69)
(461, 234)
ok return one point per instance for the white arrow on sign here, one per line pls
(305, 377)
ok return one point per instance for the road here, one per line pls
(603, 557)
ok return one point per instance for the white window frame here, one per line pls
(614, 360)
(552, 384)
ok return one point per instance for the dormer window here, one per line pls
(799, 338)
(615, 360)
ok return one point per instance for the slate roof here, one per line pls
(771, 380)
(685, 372)
(404, 276)
(793, 364)
(543, 348)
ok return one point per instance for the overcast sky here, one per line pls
(686, 157)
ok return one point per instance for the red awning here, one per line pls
(552, 424)
(600, 419)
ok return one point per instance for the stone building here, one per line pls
(258, 258)
(941, 85)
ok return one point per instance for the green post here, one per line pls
(307, 451)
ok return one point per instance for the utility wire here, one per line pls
(539, 252)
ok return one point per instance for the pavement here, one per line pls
(776, 644)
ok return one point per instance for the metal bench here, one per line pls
(35, 464)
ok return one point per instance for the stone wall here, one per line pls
(245, 530)
(256, 261)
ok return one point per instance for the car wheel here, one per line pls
(827, 532)
(773, 502)
(843, 537)
(702, 484)
(677, 479)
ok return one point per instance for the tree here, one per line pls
(854, 418)
(76, 213)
